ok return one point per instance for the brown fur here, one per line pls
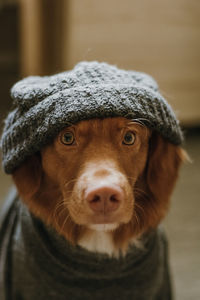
(52, 182)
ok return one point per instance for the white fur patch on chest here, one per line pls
(99, 238)
(99, 241)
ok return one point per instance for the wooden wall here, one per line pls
(154, 36)
(159, 37)
(41, 27)
(9, 56)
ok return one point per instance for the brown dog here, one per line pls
(101, 183)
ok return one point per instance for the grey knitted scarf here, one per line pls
(38, 264)
(44, 105)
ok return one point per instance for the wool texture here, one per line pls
(45, 105)
(37, 263)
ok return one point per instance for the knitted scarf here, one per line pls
(36, 264)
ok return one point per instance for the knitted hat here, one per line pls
(45, 105)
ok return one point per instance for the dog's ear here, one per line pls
(38, 194)
(163, 164)
(28, 177)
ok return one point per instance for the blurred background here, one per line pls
(162, 38)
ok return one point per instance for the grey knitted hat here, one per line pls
(45, 105)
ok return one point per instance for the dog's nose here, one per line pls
(104, 199)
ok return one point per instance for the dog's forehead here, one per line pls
(107, 124)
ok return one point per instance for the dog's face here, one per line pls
(96, 165)
(112, 173)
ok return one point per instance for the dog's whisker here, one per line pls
(140, 192)
(58, 210)
(66, 196)
(65, 220)
(131, 177)
(137, 219)
(68, 182)
(140, 207)
(61, 203)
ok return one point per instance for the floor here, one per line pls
(182, 224)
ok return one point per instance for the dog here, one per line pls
(103, 186)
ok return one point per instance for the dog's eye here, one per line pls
(129, 138)
(67, 138)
